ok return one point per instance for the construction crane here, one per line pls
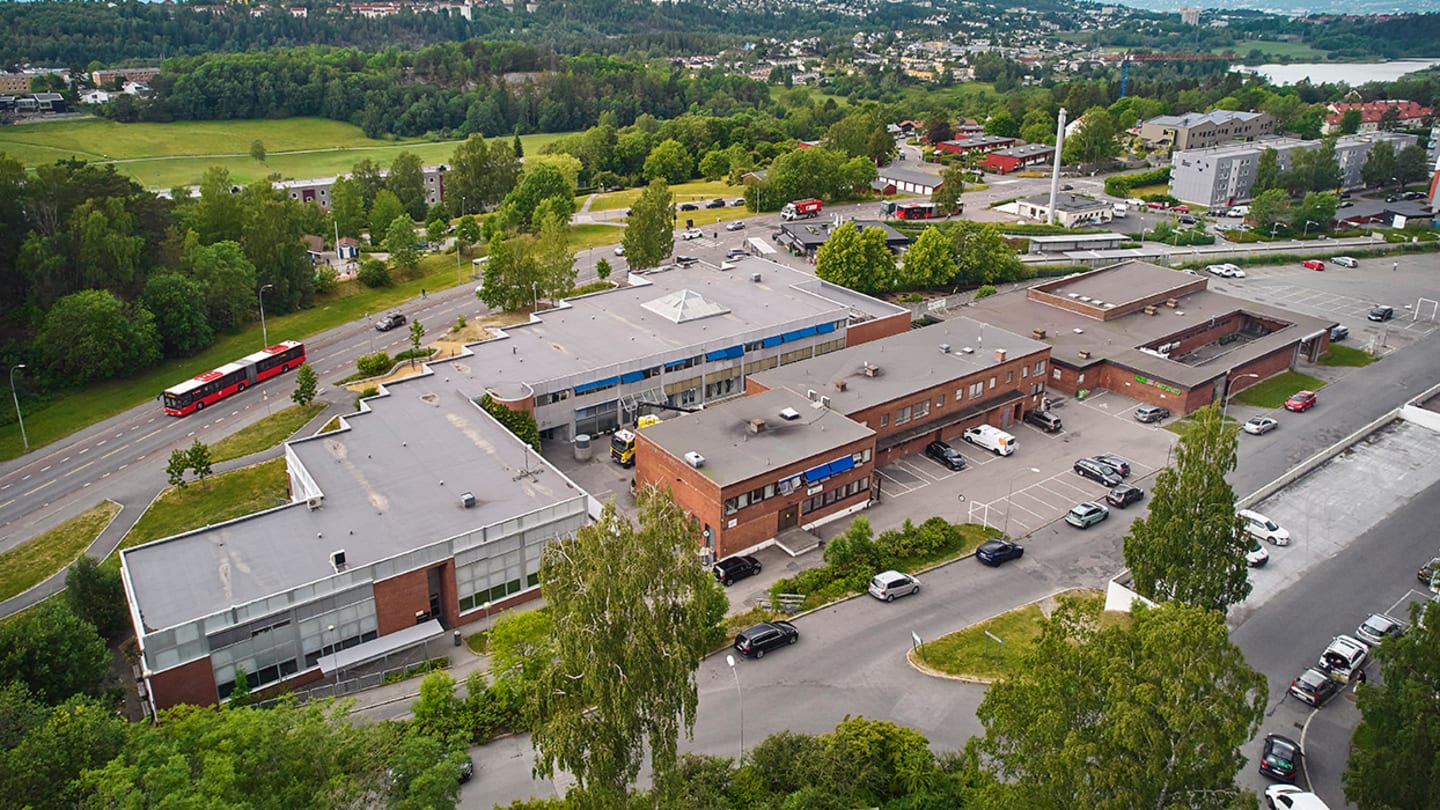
(1126, 58)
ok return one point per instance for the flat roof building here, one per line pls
(1004, 161)
(1224, 175)
(1201, 130)
(804, 238)
(1071, 210)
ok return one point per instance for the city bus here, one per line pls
(924, 210)
(232, 378)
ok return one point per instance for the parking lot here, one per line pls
(1328, 509)
(1348, 295)
(1003, 492)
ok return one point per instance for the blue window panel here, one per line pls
(591, 386)
(796, 335)
(842, 464)
(718, 354)
(823, 328)
(674, 364)
(772, 341)
(808, 331)
(817, 474)
(734, 352)
(632, 376)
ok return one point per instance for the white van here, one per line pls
(1119, 210)
(991, 438)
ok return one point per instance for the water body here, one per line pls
(1352, 73)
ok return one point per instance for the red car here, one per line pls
(1180, 209)
(1302, 401)
(1313, 264)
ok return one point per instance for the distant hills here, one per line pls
(1297, 7)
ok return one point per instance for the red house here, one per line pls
(982, 143)
(1004, 161)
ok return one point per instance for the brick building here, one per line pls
(975, 143)
(847, 412)
(1409, 114)
(1153, 334)
(1004, 161)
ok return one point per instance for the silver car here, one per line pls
(890, 584)
(1379, 627)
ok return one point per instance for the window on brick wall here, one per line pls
(903, 415)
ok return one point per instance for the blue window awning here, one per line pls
(632, 376)
(770, 342)
(583, 388)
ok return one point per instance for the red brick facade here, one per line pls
(193, 682)
(858, 333)
(399, 598)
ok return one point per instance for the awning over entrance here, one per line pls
(380, 647)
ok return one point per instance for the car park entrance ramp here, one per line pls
(796, 541)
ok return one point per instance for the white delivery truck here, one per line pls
(991, 438)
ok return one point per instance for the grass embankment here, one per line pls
(218, 499)
(696, 191)
(264, 434)
(162, 156)
(33, 561)
(970, 653)
(1338, 355)
(1273, 392)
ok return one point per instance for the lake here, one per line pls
(1352, 73)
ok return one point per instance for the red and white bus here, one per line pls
(924, 210)
(232, 378)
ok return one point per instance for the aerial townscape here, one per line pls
(719, 406)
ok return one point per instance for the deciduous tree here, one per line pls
(178, 303)
(257, 150)
(96, 594)
(668, 161)
(981, 254)
(53, 652)
(1190, 548)
(386, 209)
(45, 750)
(627, 648)
(1318, 209)
(175, 470)
(649, 230)
(1095, 138)
(540, 183)
(1395, 753)
(306, 384)
(1267, 172)
(946, 196)
(1113, 717)
(199, 460)
(930, 261)
(417, 335)
(1411, 165)
(347, 207)
(406, 181)
(91, 336)
(1269, 208)
(857, 259)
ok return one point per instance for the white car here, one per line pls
(1225, 271)
(737, 225)
(619, 250)
(1259, 425)
(1281, 796)
(1256, 555)
(1263, 528)
(691, 233)
(1344, 657)
(1346, 261)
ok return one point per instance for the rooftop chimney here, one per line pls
(999, 355)
(840, 385)
(757, 425)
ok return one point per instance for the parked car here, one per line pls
(1338, 333)
(887, 585)
(735, 225)
(1381, 313)
(619, 250)
(736, 253)
(765, 636)
(1314, 687)
(1288, 797)
(1124, 495)
(1300, 401)
(1180, 209)
(994, 552)
(1237, 211)
(1260, 425)
(1263, 528)
(1345, 261)
(1097, 472)
(945, 454)
(1255, 554)
(1188, 219)
(1087, 514)
(715, 203)
(1280, 758)
(1151, 413)
(733, 569)
(688, 207)
(1344, 657)
(1379, 627)
(467, 770)
(1045, 420)
(1115, 463)
(691, 233)
(388, 322)
(1426, 574)
(1313, 264)
(1225, 271)
(738, 202)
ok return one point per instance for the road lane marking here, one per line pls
(78, 469)
(37, 489)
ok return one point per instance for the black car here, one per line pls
(994, 552)
(1115, 463)
(689, 207)
(1280, 758)
(1314, 687)
(1124, 495)
(390, 321)
(734, 569)
(1045, 420)
(1381, 313)
(715, 203)
(467, 770)
(945, 454)
(1338, 333)
(1098, 472)
(1426, 574)
(685, 261)
(765, 636)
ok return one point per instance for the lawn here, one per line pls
(1339, 355)
(265, 433)
(1142, 191)
(163, 156)
(1273, 392)
(1274, 50)
(217, 499)
(31, 562)
(694, 191)
(973, 654)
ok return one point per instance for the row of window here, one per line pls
(920, 410)
(835, 495)
(782, 487)
(492, 595)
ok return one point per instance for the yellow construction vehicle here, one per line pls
(622, 444)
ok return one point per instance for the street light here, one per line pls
(1008, 504)
(264, 333)
(1272, 229)
(1230, 386)
(740, 703)
(1308, 223)
(16, 397)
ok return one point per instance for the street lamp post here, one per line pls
(264, 333)
(740, 704)
(1230, 386)
(16, 397)
(1272, 229)
(1010, 505)
(1308, 223)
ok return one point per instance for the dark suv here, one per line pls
(1314, 687)
(1124, 495)
(765, 636)
(945, 454)
(1045, 420)
(732, 569)
(1097, 472)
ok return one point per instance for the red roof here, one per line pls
(1371, 111)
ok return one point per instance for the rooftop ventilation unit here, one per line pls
(755, 277)
(824, 402)
(694, 459)
(757, 425)
(1077, 330)
(810, 394)
(789, 414)
(841, 385)
(467, 500)
(1038, 334)
(870, 371)
(1084, 355)
(315, 502)
(337, 560)
(967, 350)
(944, 348)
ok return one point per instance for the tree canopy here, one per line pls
(649, 230)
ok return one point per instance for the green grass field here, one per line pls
(694, 191)
(264, 434)
(1274, 50)
(1273, 392)
(972, 653)
(216, 500)
(31, 562)
(162, 156)
(1338, 355)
